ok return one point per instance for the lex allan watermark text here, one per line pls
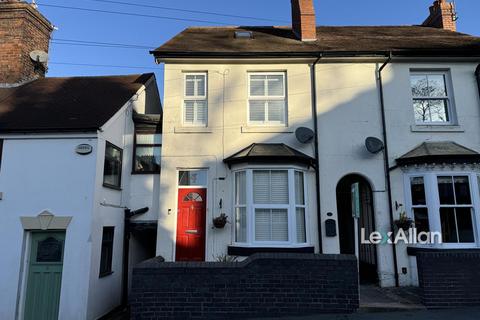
(411, 236)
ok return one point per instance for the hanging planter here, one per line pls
(404, 222)
(220, 221)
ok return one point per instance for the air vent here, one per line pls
(243, 35)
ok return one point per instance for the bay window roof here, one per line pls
(270, 153)
(439, 152)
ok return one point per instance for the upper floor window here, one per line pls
(112, 170)
(148, 147)
(270, 207)
(432, 101)
(195, 106)
(267, 101)
(445, 203)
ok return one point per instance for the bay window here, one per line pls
(446, 203)
(270, 207)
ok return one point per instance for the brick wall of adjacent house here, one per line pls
(265, 284)
(449, 278)
(22, 30)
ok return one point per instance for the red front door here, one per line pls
(192, 210)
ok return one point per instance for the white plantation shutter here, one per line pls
(279, 187)
(262, 225)
(257, 85)
(201, 112)
(189, 112)
(271, 225)
(275, 85)
(299, 192)
(200, 85)
(279, 225)
(276, 111)
(257, 110)
(241, 224)
(241, 188)
(261, 186)
(300, 224)
(190, 86)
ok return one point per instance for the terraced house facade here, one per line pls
(268, 126)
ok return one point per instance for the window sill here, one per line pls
(192, 130)
(436, 128)
(105, 274)
(135, 173)
(108, 186)
(266, 129)
(413, 251)
(243, 251)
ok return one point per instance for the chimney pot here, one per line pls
(442, 16)
(304, 24)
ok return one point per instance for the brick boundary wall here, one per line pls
(449, 278)
(265, 284)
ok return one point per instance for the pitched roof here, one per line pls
(221, 41)
(269, 152)
(66, 104)
(439, 152)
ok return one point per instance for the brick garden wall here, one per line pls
(265, 284)
(449, 278)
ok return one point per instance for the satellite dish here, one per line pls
(304, 135)
(374, 145)
(39, 56)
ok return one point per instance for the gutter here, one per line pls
(477, 75)
(317, 158)
(386, 161)
(315, 54)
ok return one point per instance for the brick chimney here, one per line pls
(22, 29)
(304, 25)
(442, 16)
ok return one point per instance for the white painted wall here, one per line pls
(137, 191)
(44, 172)
(39, 174)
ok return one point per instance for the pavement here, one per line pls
(377, 304)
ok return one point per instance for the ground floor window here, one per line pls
(270, 207)
(107, 251)
(446, 203)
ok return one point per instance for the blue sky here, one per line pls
(152, 32)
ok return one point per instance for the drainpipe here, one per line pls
(477, 74)
(317, 160)
(386, 161)
(126, 250)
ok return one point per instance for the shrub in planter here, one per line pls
(220, 221)
(404, 222)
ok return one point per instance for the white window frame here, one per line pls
(270, 98)
(449, 97)
(291, 207)
(195, 98)
(433, 203)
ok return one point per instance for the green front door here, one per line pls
(44, 276)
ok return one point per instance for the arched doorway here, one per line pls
(356, 211)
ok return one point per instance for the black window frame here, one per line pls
(108, 185)
(143, 129)
(107, 244)
(1, 153)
